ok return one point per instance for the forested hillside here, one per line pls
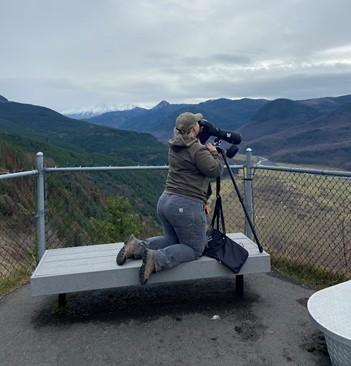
(303, 132)
(44, 124)
(83, 208)
(74, 197)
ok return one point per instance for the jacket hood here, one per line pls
(178, 140)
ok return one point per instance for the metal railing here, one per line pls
(302, 216)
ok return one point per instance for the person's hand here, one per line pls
(207, 209)
(211, 148)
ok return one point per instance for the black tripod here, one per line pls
(223, 153)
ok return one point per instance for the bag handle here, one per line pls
(218, 211)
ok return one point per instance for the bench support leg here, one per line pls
(239, 285)
(62, 300)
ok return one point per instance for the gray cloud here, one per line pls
(300, 86)
(68, 54)
(216, 59)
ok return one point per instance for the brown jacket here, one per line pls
(190, 166)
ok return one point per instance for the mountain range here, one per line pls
(159, 120)
(95, 110)
(314, 131)
(310, 131)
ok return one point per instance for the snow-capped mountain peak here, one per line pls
(95, 110)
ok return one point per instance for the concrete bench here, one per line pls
(91, 267)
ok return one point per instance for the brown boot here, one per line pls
(131, 249)
(147, 267)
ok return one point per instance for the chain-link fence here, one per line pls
(303, 220)
(81, 206)
(17, 231)
(78, 201)
(232, 209)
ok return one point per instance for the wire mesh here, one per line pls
(233, 212)
(304, 220)
(84, 208)
(17, 230)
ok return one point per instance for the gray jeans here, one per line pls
(184, 224)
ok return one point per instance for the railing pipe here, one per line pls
(18, 174)
(118, 168)
(107, 168)
(332, 173)
(248, 192)
(40, 206)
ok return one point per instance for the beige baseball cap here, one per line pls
(186, 120)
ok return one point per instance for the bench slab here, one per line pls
(94, 267)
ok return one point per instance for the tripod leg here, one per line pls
(239, 285)
(241, 201)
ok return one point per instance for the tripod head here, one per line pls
(230, 137)
(229, 153)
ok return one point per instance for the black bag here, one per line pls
(220, 246)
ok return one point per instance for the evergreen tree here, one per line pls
(118, 222)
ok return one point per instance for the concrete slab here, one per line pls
(165, 325)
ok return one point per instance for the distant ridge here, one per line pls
(276, 116)
(296, 132)
(38, 122)
(159, 120)
(327, 104)
(3, 99)
(282, 129)
(314, 131)
(95, 110)
(116, 119)
(162, 104)
(284, 109)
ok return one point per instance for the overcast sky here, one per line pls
(67, 54)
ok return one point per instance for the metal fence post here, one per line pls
(40, 206)
(248, 191)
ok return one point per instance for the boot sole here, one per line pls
(142, 279)
(121, 258)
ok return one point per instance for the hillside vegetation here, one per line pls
(78, 203)
(293, 132)
(48, 126)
